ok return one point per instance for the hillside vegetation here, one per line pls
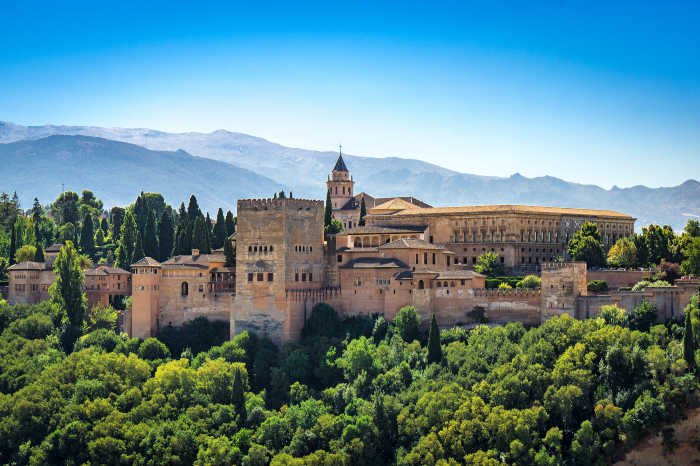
(353, 391)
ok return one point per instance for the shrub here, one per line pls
(597, 286)
(102, 338)
(33, 327)
(323, 322)
(530, 281)
(504, 286)
(478, 314)
(641, 285)
(152, 349)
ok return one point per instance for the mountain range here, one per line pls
(239, 165)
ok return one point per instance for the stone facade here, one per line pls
(105, 286)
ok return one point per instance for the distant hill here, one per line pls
(304, 172)
(117, 172)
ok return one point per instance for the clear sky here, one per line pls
(593, 92)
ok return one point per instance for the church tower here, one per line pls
(340, 183)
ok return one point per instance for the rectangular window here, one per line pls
(303, 276)
(269, 277)
(250, 277)
(260, 277)
(448, 261)
(311, 277)
(416, 258)
(433, 258)
(296, 277)
(425, 258)
(340, 258)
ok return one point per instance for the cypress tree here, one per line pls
(193, 210)
(689, 343)
(219, 235)
(230, 224)
(104, 226)
(116, 215)
(87, 236)
(363, 212)
(99, 238)
(127, 242)
(434, 348)
(200, 239)
(166, 233)
(138, 249)
(150, 238)
(67, 293)
(183, 233)
(328, 214)
(39, 254)
(238, 393)
(281, 194)
(36, 219)
(13, 244)
(230, 253)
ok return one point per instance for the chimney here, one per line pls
(195, 252)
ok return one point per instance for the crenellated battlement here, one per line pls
(551, 266)
(516, 292)
(278, 204)
(313, 293)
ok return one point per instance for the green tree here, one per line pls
(363, 211)
(39, 254)
(689, 343)
(219, 233)
(87, 236)
(643, 316)
(657, 242)
(127, 242)
(65, 208)
(434, 347)
(25, 253)
(150, 238)
(230, 224)
(13, 244)
(99, 238)
(489, 264)
(623, 253)
(229, 253)
(116, 217)
(238, 392)
(166, 233)
(36, 221)
(334, 228)
(200, 237)
(692, 227)
(407, 323)
(586, 245)
(328, 211)
(104, 226)
(691, 252)
(67, 297)
(138, 248)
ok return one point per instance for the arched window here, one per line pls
(421, 285)
(184, 289)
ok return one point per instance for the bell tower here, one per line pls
(340, 183)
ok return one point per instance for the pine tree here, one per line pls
(689, 343)
(230, 253)
(230, 224)
(13, 244)
(434, 347)
(87, 236)
(219, 235)
(150, 238)
(138, 249)
(238, 393)
(328, 214)
(363, 212)
(200, 239)
(165, 235)
(39, 254)
(127, 242)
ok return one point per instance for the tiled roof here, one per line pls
(340, 165)
(392, 205)
(347, 249)
(106, 270)
(404, 275)
(510, 208)
(375, 230)
(29, 265)
(54, 248)
(224, 269)
(374, 263)
(413, 243)
(372, 202)
(149, 261)
(194, 260)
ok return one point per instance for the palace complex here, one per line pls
(405, 253)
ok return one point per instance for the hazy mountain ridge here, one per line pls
(118, 171)
(304, 172)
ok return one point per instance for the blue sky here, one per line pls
(586, 91)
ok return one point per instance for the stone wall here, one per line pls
(617, 278)
(562, 284)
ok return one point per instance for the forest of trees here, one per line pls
(121, 236)
(360, 390)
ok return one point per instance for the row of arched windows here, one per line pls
(260, 249)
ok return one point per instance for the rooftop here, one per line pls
(413, 243)
(374, 263)
(340, 165)
(511, 208)
(376, 230)
(29, 265)
(146, 261)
